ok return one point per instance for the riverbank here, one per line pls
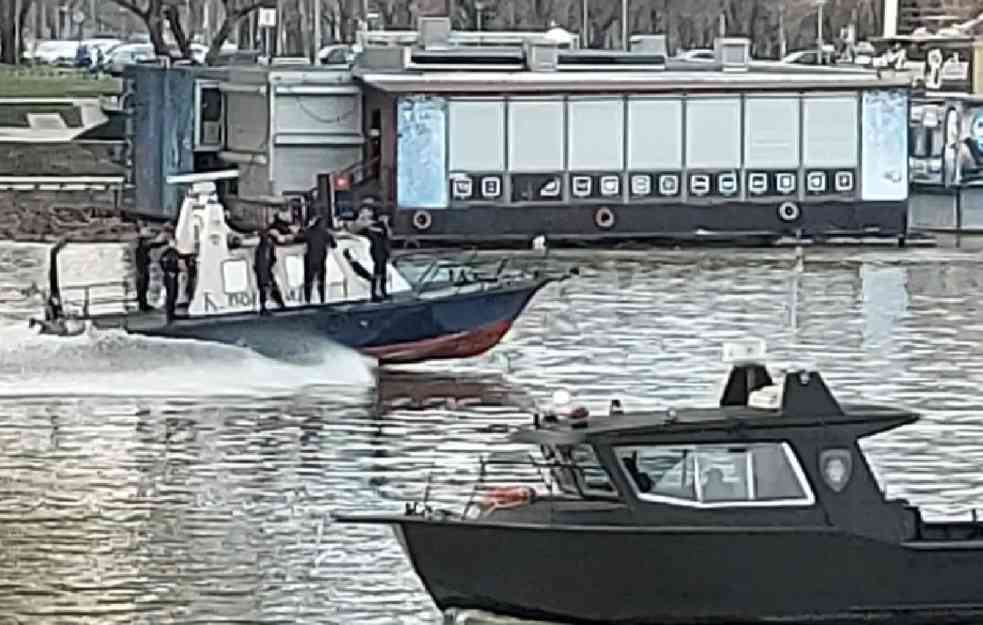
(52, 82)
(42, 216)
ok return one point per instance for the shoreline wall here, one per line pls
(40, 216)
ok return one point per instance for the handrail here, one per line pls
(360, 167)
(88, 300)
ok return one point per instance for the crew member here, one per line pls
(170, 265)
(263, 264)
(318, 241)
(54, 318)
(146, 241)
(53, 309)
(378, 234)
(191, 266)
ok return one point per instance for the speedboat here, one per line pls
(763, 508)
(438, 307)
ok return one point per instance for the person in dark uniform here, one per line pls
(263, 264)
(191, 266)
(378, 234)
(53, 307)
(146, 242)
(170, 265)
(318, 240)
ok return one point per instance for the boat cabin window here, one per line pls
(755, 474)
(579, 472)
(235, 276)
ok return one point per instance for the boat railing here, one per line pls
(502, 480)
(75, 298)
(428, 271)
(84, 297)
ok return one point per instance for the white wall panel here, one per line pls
(536, 135)
(655, 133)
(830, 133)
(713, 133)
(247, 116)
(477, 135)
(596, 134)
(885, 145)
(308, 114)
(771, 132)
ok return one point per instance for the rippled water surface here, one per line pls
(147, 481)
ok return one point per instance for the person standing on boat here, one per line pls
(318, 240)
(170, 265)
(263, 263)
(146, 242)
(53, 310)
(378, 235)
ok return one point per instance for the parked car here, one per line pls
(56, 52)
(808, 57)
(338, 54)
(697, 54)
(125, 54)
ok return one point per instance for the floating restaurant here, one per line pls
(470, 141)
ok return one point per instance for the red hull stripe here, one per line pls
(457, 345)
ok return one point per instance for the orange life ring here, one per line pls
(508, 497)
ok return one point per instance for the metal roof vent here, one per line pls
(435, 32)
(542, 55)
(734, 53)
(650, 44)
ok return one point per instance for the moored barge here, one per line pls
(510, 143)
(761, 509)
(463, 141)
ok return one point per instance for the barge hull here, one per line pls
(733, 221)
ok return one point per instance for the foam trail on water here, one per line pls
(112, 362)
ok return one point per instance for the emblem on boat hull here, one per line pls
(836, 466)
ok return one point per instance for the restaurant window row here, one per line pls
(652, 133)
(456, 151)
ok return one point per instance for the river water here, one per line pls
(146, 481)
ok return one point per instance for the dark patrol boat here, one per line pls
(762, 509)
(438, 307)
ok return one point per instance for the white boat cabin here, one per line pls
(226, 281)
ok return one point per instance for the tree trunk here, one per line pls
(10, 44)
(305, 32)
(215, 48)
(155, 29)
(174, 21)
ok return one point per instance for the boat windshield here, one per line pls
(578, 472)
(717, 475)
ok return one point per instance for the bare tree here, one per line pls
(235, 10)
(151, 13)
(12, 29)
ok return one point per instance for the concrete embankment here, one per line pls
(49, 190)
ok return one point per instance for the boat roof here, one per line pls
(872, 418)
(805, 403)
(475, 81)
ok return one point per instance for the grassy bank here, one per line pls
(49, 82)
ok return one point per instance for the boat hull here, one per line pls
(690, 575)
(406, 329)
